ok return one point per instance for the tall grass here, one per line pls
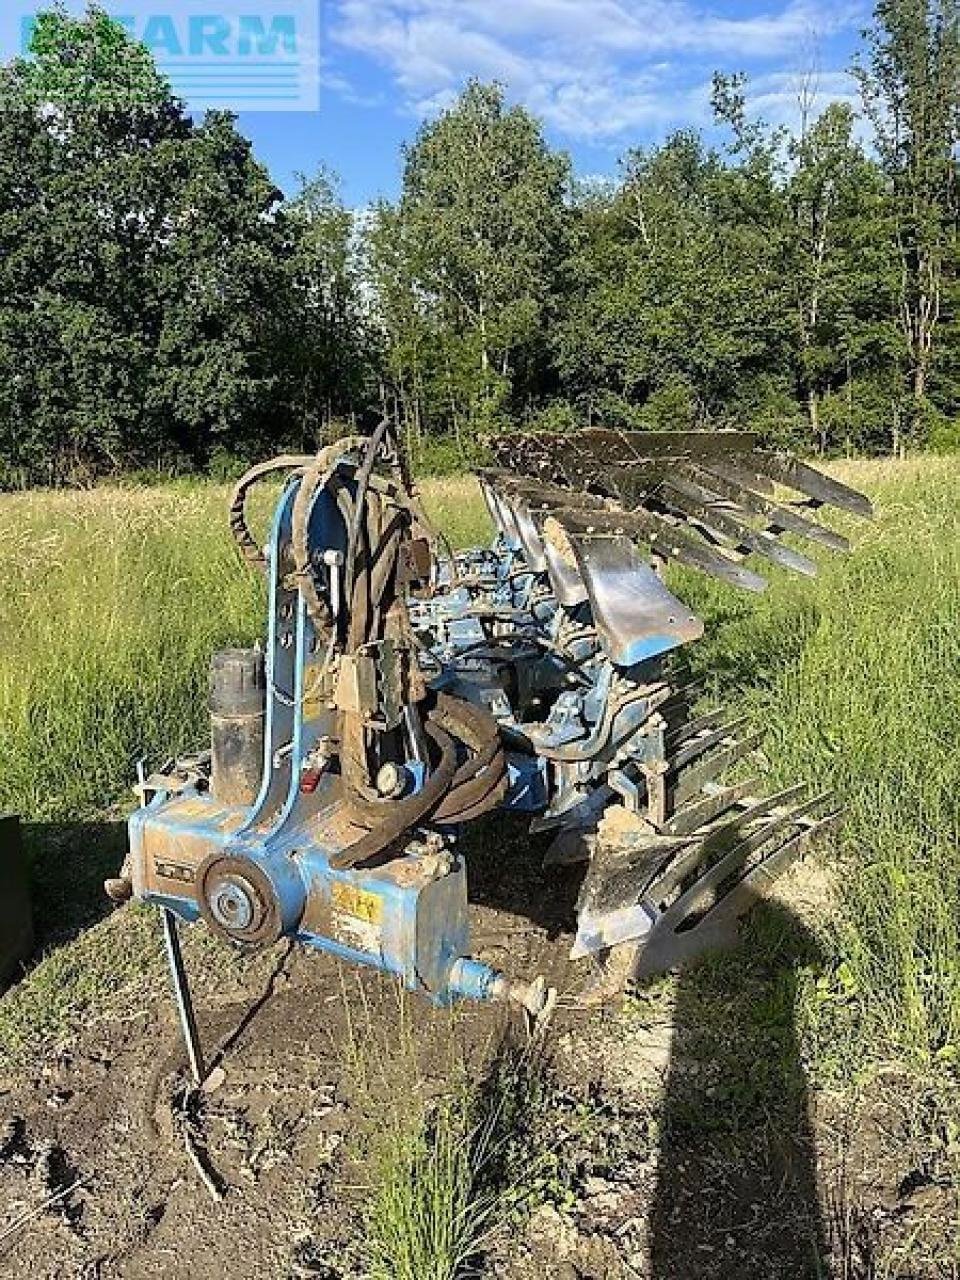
(453, 1173)
(871, 707)
(112, 602)
(463, 1142)
(856, 678)
(424, 1221)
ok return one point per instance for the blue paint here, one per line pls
(472, 979)
(408, 917)
(566, 724)
(650, 646)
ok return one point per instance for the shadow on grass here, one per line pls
(736, 1192)
(748, 645)
(69, 862)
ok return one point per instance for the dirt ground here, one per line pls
(683, 1142)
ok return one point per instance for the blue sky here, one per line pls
(604, 74)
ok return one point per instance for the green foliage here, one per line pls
(670, 407)
(673, 290)
(464, 265)
(333, 355)
(712, 291)
(443, 456)
(454, 1173)
(157, 305)
(162, 306)
(863, 700)
(760, 286)
(555, 416)
(420, 1225)
(909, 79)
(84, 65)
(945, 436)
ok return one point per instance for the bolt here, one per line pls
(392, 781)
(232, 906)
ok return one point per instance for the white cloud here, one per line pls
(596, 70)
(778, 98)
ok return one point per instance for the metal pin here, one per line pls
(181, 994)
(178, 973)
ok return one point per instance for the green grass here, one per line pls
(856, 678)
(461, 1143)
(108, 969)
(113, 600)
(425, 1221)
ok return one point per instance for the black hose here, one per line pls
(479, 783)
(404, 814)
(363, 482)
(250, 549)
(316, 477)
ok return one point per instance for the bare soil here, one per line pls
(683, 1140)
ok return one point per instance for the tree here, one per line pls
(838, 262)
(81, 201)
(673, 306)
(750, 286)
(480, 224)
(87, 65)
(145, 303)
(331, 359)
(405, 333)
(219, 278)
(910, 82)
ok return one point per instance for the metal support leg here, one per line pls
(178, 973)
(181, 993)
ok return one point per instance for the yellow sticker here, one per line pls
(314, 707)
(360, 903)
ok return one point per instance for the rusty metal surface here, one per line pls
(548, 686)
(707, 500)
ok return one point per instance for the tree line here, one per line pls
(163, 306)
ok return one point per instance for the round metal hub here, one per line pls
(238, 901)
(233, 904)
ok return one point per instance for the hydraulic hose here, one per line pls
(250, 549)
(480, 782)
(376, 521)
(404, 814)
(316, 477)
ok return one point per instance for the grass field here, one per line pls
(113, 600)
